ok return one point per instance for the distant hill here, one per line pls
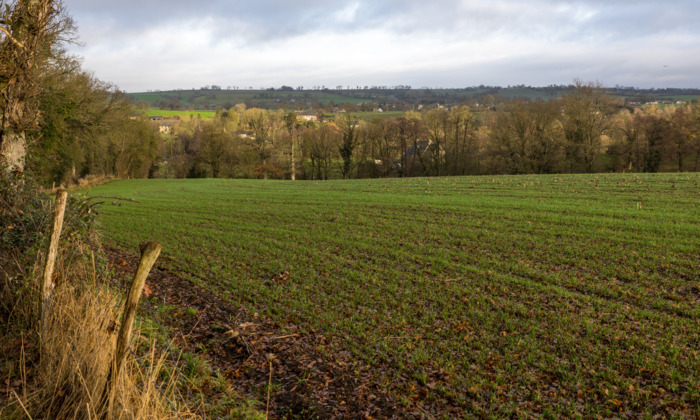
(390, 99)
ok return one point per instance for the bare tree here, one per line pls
(411, 130)
(586, 112)
(291, 124)
(349, 129)
(319, 145)
(461, 126)
(683, 135)
(265, 125)
(437, 123)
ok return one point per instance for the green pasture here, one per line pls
(687, 98)
(263, 98)
(380, 115)
(149, 96)
(560, 296)
(153, 112)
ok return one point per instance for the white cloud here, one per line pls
(179, 44)
(348, 13)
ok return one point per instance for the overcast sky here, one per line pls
(159, 44)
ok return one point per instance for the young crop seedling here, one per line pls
(503, 295)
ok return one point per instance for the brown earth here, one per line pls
(308, 383)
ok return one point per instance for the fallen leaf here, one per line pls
(147, 291)
(232, 333)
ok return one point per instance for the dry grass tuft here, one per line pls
(76, 353)
(61, 372)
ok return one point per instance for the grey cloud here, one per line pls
(266, 20)
(573, 36)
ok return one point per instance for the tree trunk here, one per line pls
(294, 171)
(13, 150)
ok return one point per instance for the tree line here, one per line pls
(89, 128)
(584, 132)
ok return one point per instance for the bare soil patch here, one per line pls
(243, 346)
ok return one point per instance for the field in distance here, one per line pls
(153, 112)
(562, 295)
(205, 98)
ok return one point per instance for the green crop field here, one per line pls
(152, 112)
(562, 295)
(381, 115)
(203, 99)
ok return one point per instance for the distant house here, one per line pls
(307, 116)
(165, 124)
(246, 134)
(165, 127)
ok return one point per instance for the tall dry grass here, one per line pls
(61, 371)
(75, 355)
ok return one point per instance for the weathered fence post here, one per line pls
(149, 255)
(47, 284)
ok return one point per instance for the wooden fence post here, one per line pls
(47, 284)
(149, 255)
